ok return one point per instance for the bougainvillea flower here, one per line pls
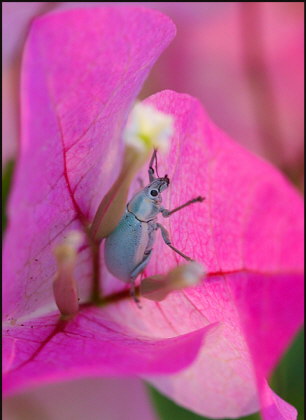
(211, 347)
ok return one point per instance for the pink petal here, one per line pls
(46, 350)
(16, 20)
(273, 407)
(82, 71)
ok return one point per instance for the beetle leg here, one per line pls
(166, 238)
(167, 213)
(141, 266)
(137, 270)
(133, 294)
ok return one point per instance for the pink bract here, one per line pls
(82, 72)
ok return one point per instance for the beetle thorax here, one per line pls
(143, 207)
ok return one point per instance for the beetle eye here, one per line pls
(154, 193)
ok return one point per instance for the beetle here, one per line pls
(128, 248)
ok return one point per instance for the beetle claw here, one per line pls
(133, 295)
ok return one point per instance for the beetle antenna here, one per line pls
(156, 163)
(152, 159)
(151, 170)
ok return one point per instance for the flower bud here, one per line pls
(146, 129)
(64, 284)
(185, 275)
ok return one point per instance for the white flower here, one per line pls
(148, 128)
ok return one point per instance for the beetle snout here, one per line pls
(166, 179)
(164, 183)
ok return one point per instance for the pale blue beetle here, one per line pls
(129, 247)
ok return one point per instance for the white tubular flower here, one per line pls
(148, 128)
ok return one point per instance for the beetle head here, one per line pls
(157, 186)
(145, 204)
